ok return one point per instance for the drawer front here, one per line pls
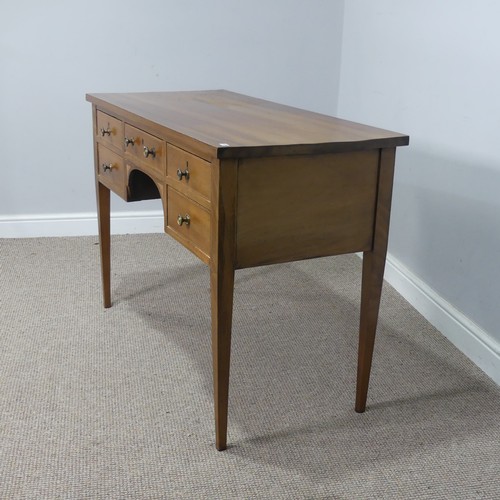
(188, 173)
(111, 170)
(146, 148)
(196, 232)
(110, 130)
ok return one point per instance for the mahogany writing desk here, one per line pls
(246, 182)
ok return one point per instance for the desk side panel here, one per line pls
(300, 207)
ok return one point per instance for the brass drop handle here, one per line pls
(149, 151)
(185, 173)
(107, 167)
(183, 220)
(105, 131)
(129, 141)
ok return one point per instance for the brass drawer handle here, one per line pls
(129, 141)
(149, 151)
(107, 167)
(185, 173)
(184, 220)
(105, 131)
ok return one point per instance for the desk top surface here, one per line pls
(236, 125)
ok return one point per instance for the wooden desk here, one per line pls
(246, 182)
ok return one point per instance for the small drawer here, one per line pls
(189, 221)
(111, 170)
(110, 130)
(146, 148)
(188, 173)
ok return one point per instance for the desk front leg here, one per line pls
(103, 219)
(222, 283)
(222, 266)
(373, 277)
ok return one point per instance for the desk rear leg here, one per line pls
(373, 277)
(103, 218)
(373, 272)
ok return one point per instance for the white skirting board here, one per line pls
(81, 224)
(467, 336)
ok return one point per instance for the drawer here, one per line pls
(111, 170)
(146, 148)
(188, 173)
(110, 130)
(194, 233)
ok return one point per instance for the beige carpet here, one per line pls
(117, 403)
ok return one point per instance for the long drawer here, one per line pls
(145, 149)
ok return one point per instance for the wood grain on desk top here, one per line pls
(240, 126)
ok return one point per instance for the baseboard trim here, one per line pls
(466, 335)
(80, 224)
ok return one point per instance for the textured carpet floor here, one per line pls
(117, 403)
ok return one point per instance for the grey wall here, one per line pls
(432, 70)
(53, 52)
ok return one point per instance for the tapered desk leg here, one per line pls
(222, 284)
(103, 218)
(222, 266)
(373, 277)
